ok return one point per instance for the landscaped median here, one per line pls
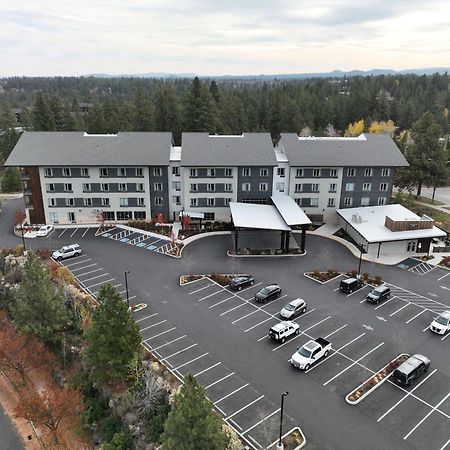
(376, 380)
(323, 277)
(294, 439)
(220, 278)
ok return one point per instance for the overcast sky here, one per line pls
(214, 37)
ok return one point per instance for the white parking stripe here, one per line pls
(49, 234)
(336, 331)
(446, 275)
(154, 325)
(232, 421)
(191, 361)
(78, 262)
(261, 421)
(87, 273)
(426, 328)
(170, 342)
(210, 295)
(416, 316)
(178, 352)
(385, 303)
(426, 417)
(221, 301)
(159, 334)
(445, 336)
(76, 229)
(146, 317)
(358, 290)
(201, 289)
(258, 324)
(445, 445)
(408, 393)
(231, 393)
(243, 317)
(247, 288)
(301, 333)
(353, 363)
(398, 310)
(245, 407)
(65, 229)
(218, 381)
(84, 234)
(120, 284)
(236, 307)
(254, 440)
(83, 267)
(206, 370)
(98, 276)
(101, 282)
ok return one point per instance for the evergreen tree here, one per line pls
(143, 112)
(214, 90)
(113, 339)
(56, 105)
(42, 116)
(192, 424)
(95, 121)
(39, 306)
(7, 142)
(11, 180)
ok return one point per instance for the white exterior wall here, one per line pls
(86, 214)
(278, 179)
(174, 209)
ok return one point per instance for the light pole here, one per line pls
(361, 248)
(126, 287)
(280, 446)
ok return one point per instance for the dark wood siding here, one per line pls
(37, 215)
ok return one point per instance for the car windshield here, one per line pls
(265, 291)
(441, 320)
(303, 352)
(289, 307)
(376, 293)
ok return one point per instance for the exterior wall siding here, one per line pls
(164, 193)
(255, 179)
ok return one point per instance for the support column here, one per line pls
(288, 237)
(303, 240)
(282, 241)
(236, 240)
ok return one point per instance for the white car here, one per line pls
(310, 353)
(441, 323)
(67, 252)
(293, 308)
(44, 230)
(282, 330)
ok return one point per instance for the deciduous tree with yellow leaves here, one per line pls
(355, 129)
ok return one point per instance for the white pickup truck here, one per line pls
(310, 353)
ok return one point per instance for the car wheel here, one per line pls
(325, 354)
(351, 290)
(307, 367)
(239, 288)
(283, 340)
(304, 310)
(252, 283)
(297, 331)
(59, 258)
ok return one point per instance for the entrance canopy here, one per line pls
(263, 217)
(291, 213)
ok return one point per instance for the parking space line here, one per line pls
(336, 331)
(101, 282)
(78, 262)
(84, 267)
(426, 328)
(76, 229)
(65, 229)
(154, 325)
(191, 361)
(222, 301)
(146, 317)
(245, 407)
(98, 276)
(84, 234)
(243, 317)
(426, 417)
(232, 421)
(246, 289)
(408, 393)
(129, 298)
(231, 393)
(398, 310)
(445, 445)
(170, 342)
(261, 421)
(49, 234)
(336, 289)
(178, 352)
(254, 440)
(258, 324)
(211, 295)
(445, 336)
(236, 307)
(120, 284)
(336, 352)
(159, 334)
(358, 290)
(201, 289)
(386, 302)
(301, 333)
(206, 370)
(416, 316)
(446, 275)
(218, 381)
(87, 273)
(353, 363)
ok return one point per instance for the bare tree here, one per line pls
(150, 396)
(330, 131)
(306, 131)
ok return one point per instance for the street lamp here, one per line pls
(361, 248)
(126, 287)
(280, 446)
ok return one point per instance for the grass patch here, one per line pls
(401, 197)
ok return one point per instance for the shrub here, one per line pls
(317, 274)
(354, 273)
(365, 276)
(44, 254)
(18, 251)
(14, 276)
(64, 274)
(154, 423)
(110, 426)
(446, 261)
(120, 441)
(378, 280)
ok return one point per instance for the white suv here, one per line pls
(441, 324)
(281, 331)
(67, 252)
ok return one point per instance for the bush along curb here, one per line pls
(316, 275)
(189, 279)
(223, 279)
(376, 380)
(294, 439)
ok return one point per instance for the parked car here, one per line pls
(44, 230)
(67, 252)
(310, 353)
(268, 293)
(237, 283)
(282, 330)
(378, 294)
(411, 369)
(350, 285)
(441, 323)
(293, 308)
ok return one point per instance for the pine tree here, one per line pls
(143, 112)
(95, 120)
(11, 180)
(192, 424)
(113, 339)
(39, 306)
(42, 116)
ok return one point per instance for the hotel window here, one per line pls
(141, 201)
(86, 187)
(333, 187)
(349, 187)
(52, 202)
(124, 215)
(193, 202)
(246, 172)
(227, 201)
(109, 215)
(210, 216)
(365, 201)
(228, 187)
(246, 187)
(383, 187)
(368, 172)
(316, 173)
(85, 172)
(351, 172)
(122, 187)
(176, 199)
(333, 173)
(67, 187)
(314, 202)
(158, 186)
(298, 188)
(211, 187)
(70, 202)
(331, 202)
(103, 172)
(105, 201)
(176, 185)
(315, 187)
(104, 187)
(385, 172)
(48, 172)
(298, 173)
(281, 172)
(67, 172)
(280, 187)
(348, 201)
(263, 173)
(159, 201)
(50, 187)
(54, 217)
(193, 173)
(87, 201)
(140, 171)
(381, 201)
(71, 216)
(176, 171)
(140, 187)
(194, 187)
(211, 172)
(123, 201)
(140, 215)
(228, 172)
(263, 187)
(298, 201)
(210, 201)
(367, 187)
(122, 172)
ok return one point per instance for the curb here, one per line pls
(322, 282)
(264, 256)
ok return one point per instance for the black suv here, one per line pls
(237, 283)
(268, 293)
(411, 369)
(351, 285)
(378, 294)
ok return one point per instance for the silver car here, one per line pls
(293, 308)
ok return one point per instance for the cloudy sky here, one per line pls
(213, 37)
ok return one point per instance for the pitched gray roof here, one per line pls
(249, 149)
(368, 150)
(76, 148)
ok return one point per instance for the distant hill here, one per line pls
(285, 76)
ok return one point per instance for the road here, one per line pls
(9, 440)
